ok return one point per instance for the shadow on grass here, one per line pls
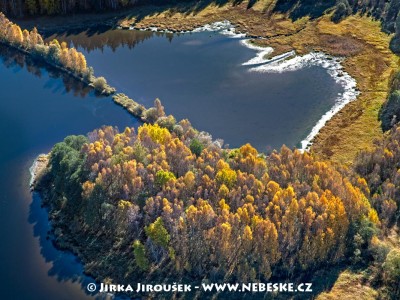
(302, 8)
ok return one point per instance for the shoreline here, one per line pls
(358, 39)
(66, 60)
(107, 91)
(291, 64)
(57, 67)
(286, 62)
(36, 170)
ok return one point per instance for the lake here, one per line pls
(197, 76)
(200, 76)
(36, 111)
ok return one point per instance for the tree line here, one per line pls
(11, 58)
(19, 8)
(380, 166)
(52, 7)
(53, 53)
(386, 11)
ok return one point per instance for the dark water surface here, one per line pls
(35, 113)
(200, 76)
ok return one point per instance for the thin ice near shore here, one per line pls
(334, 68)
(287, 62)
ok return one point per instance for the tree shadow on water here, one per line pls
(91, 40)
(12, 58)
(65, 266)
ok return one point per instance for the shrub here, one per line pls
(100, 83)
(162, 177)
(391, 269)
(343, 9)
(167, 122)
(40, 50)
(151, 115)
(196, 146)
(178, 130)
(390, 111)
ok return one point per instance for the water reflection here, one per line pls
(65, 266)
(201, 77)
(38, 109)
(103, 37)
(12, 58)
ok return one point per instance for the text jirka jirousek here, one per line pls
(208, 287)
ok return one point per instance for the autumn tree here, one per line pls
(227, 214)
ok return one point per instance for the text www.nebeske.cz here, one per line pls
(210, 287)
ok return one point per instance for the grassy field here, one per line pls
(372, 64)
(349, 286)
(358, 39)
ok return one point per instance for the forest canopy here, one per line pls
(145, 199)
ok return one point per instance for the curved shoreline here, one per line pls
(358, 39)
(262, 62)
(289, 61)
(286, 62)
